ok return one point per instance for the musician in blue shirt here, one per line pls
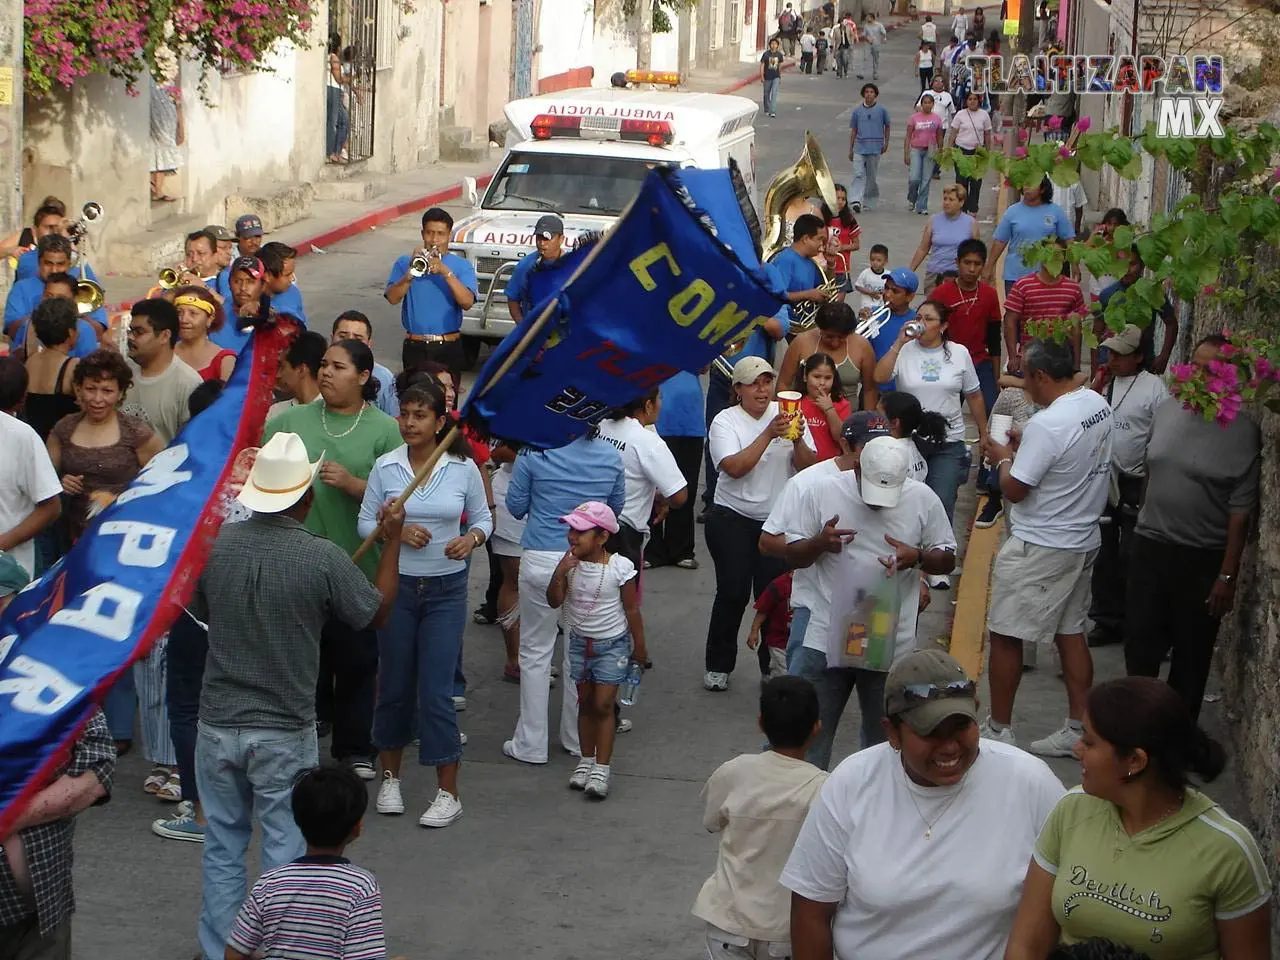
(279, 260)
(50, 218)
(248, 243)
(548, 237)
(63, 285)
(431, 305)
(801, 277)
(54, 258)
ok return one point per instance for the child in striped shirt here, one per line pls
(321, 905)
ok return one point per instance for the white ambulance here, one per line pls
(582, 155)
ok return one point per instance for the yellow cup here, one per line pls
(789, 404)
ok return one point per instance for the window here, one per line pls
(563, 183)
(388, 29)
(717, 27)
(735, 21)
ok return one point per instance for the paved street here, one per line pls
(532, 869)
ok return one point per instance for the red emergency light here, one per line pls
(657, 133)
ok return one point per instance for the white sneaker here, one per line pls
(364, 769)
(463, 736)
(597, 782)
(940, 582)
(444, 809)
(988, 732)
(712, 680)
(389, 800)
(624, 726)
(578, 779)
(1060, 743)
(459, 704)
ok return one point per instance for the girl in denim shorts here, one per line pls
(605, 631)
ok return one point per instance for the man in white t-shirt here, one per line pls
(1056, 479)
(162, 384)
(29, 486)
(868, 524)
(805, 590)
(1133, 395)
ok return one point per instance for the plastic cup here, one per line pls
(1001, 424)
(789, 405)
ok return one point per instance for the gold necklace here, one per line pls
(929, 825)
(324, 422)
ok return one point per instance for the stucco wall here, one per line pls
(493, 82)
(406, 123)
(564, 38)
(615, 44)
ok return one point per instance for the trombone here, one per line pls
(89, 297)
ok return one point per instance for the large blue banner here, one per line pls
(65, 639)
(667, 289)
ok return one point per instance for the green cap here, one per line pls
(927, 687)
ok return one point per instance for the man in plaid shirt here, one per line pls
(36, 900)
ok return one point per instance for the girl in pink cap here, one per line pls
(599, 592)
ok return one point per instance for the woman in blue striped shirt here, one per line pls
(418, 647)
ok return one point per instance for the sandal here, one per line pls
(511, 674)
(156, 779)
(171, 790)
(484, 616)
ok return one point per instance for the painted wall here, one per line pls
(615, 45)
(493, 65)
(565, 37)
(406, 123)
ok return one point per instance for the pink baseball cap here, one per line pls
(590, 515)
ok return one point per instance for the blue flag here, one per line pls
(667, 289)
(66, 639)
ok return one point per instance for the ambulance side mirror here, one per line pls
(470, 191)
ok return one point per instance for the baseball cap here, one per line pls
(883, 465)
(863, 426)
(1125, 342)
(592, 514)
(250, 225)
(927, 687)
(13, 575)
(250, 265)
(219, 232)
(904, 279)
(748, 369)
(548, 226)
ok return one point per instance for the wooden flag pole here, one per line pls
(547, 312)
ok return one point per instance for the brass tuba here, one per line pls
(89, 296)
(807, 177)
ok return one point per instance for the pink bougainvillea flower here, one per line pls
(1264, 368)
(1055, 123)
(1182, 372)
(1208, 290)
(1020, 152)
(1024, 136)
(1083, 124)
(1064, 153)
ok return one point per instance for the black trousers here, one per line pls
(1167, 590)
(672, 540)
(352, 658)
(742, 573)
(1111, 569)
(448, 352)
(973, 190)
(495, 579)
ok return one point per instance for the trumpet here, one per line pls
(89, 297)
(171, 277)
(422, 262)
(77, 230)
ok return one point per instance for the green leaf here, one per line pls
(1148, 291)
(1123, 237)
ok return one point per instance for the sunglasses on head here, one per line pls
(923, 692)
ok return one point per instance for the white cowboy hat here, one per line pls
(280, 476)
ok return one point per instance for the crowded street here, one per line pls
(530, 869)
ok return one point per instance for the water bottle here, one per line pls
(629, 689)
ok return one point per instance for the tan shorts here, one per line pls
(1038, 593)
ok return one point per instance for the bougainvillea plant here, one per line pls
(1247, 368)
(65, 40)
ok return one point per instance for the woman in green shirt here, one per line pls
(345, 429)
(1135, 855)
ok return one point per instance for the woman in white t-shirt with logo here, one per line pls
(749, 446)
(938, 373)
(896, 857)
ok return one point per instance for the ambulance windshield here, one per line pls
(563, 183)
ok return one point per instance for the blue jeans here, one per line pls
(990, 390)
(771, 95)
(243, 774)
(121, 706)
(864, 189)
(874, 49)
(948, 469)
(337, 121)
(834, 688)
(920, 179)
(795, 639)
(417, 656)
(184, 666)
(604, 661)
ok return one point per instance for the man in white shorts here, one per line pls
(1056, 478)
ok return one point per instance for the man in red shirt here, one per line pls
(974, 322)
(1040, 296)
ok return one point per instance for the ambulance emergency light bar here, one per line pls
(658, 78)
(656, 133)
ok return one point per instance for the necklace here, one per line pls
(324, 422)
(573, 579)
(930, 824)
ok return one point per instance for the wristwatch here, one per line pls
(1227, 578)
(475, 535)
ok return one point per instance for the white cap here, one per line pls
(883, 464)
(281, 474)
(749, 369)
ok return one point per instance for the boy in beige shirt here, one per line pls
(757, 802)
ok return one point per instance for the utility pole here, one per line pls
(644, 35)
(10, 115)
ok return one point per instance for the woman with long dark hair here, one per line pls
(835, 335)
(909, 422)
(350, 433)
(419, 646)
(1138, 856)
